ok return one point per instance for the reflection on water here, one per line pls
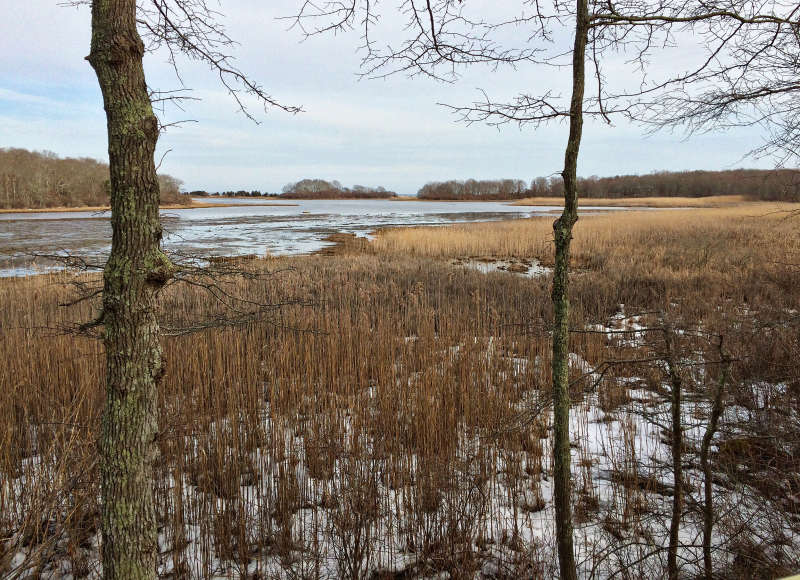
(246, 228)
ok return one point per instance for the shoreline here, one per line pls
(341, 243)
(102, 208)
(415, 198)
(206, 205)
(655, 202)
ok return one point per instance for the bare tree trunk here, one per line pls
(135, 271)
(677, 449)
(708, 436)
(562, 229)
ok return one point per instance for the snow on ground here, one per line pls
(622, 488)
(527, 268)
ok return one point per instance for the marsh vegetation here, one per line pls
(392, 420)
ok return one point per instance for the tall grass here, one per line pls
(397, 423)
(637, 255)
(650, 202)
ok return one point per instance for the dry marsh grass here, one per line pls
(653, 202)
(700, 250)
(397, 425)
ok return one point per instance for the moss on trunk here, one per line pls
(135, 270)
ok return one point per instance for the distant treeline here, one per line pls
(475, 189)
(321, 189)
(757, 184)
(33, 179)
(239, 193)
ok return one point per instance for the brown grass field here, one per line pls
(652, 202)
(390, 419)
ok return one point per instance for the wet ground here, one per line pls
(245, 228)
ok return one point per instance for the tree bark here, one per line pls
(708, 437)
(562, 229)
(677, 450)
(135, 271)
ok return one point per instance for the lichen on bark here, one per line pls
(135, 271)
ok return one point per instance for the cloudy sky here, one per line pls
(373, 132)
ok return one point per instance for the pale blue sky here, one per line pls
(372, 132)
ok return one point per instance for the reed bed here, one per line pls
(650, 202)
(594, 234)
(638, 256)
(395, 423)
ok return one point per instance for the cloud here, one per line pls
(378, 132)
(27, 99)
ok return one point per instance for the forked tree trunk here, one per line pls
(677, 448)
(135, 271)
(705, 448)
(562, 229)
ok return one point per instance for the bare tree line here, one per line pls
(41, 179)
(475, 189)
(323, 189)
(755, 184)
(31, 179)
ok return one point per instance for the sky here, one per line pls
(390, 132)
